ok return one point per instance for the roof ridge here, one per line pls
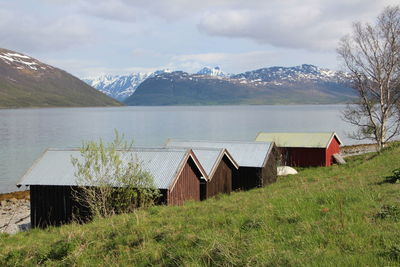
(217, 141)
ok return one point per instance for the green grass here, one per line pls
(337, 216)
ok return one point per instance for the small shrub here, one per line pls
(392, 252)
(111, 180)
(395, 178)
(390, 212)
(60, 250)
(13, 258)
(249, 224)
(288, 218)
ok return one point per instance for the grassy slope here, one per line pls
(323, 216)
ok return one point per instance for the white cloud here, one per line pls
(26, 32)
(309, 24)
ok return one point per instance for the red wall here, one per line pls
(309, 157)
(306, 157)
(333, 148)
(187, 186)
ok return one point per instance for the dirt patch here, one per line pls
(16, 195)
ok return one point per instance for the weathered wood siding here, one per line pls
(54, 205)
(269, 171)
(221, 182)
(187, 186)
(251, 177)
(247, 178)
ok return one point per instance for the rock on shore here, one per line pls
(14, 215)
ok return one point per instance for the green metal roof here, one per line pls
(318, 140)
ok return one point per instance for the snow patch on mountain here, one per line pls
(121, 86)
(19, 61)
(216, 72)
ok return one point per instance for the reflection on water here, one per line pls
(26, 133)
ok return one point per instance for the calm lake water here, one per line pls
(26, 133)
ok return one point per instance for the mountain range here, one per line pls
(27, 82)
(304, 84)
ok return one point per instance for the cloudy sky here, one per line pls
(92, 37)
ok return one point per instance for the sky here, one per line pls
(89, 38)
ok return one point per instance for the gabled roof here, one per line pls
(54, 167)
(317, 140)
(210, 158)
(246, 154)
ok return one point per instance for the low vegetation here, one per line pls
(117, 181)
(337, 216)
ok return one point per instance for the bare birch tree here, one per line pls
(371, 54)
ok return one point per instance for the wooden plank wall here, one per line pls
(50, 205)
(187, 186)
(54, 206)
(247, 178)
(269, 171)
(221, 181)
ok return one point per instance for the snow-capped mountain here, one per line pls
(304, 72)
(121, 86)
(303, 77)
(118, 86)
(216, 71)
(305, 84)
(21, 62)
(27, 82)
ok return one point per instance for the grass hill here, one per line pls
(337, 216)
(27, 82)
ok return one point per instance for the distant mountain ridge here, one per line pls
(120, 87)
(304, 84)
(27, 82)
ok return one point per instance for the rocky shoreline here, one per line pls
(14, 212)
(353, 150)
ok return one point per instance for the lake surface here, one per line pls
(26, 133)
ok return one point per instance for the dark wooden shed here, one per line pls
(257, 161)
(304, 149)
(176, 172)
(220, 168)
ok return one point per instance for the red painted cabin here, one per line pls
(304, 149)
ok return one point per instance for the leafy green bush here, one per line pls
(111, 181)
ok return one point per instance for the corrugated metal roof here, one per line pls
(55, 167)
(246, 154)
(319, 140)
(208, 157)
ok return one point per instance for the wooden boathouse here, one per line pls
(256, 160)
(220, 168)
(304, 149)
(176, 172)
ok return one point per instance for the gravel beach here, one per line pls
(14, 215)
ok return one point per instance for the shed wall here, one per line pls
(54, 205)
(187, 186)
(247, 178)
(221, 182)
(333, 148)
(303, 157)
(269, 171)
